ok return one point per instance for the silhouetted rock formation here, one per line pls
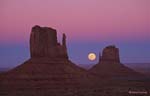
(43, 43)
(48, 72)
(109, 65)
(110, 55)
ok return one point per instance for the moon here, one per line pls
(91, 56)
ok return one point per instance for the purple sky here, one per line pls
(90, 25)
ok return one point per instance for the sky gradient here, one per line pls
(90, 25)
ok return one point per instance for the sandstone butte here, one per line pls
(49, 72)
(109, 65)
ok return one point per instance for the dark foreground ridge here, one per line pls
(49, 72)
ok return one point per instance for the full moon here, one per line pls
(92, 56)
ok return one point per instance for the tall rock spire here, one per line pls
(64, 40)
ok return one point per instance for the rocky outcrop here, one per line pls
(110, 54)
(48, 72)
(43, 43)
(109, 65)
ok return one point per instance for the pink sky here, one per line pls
(90, 25)
(95, 20)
